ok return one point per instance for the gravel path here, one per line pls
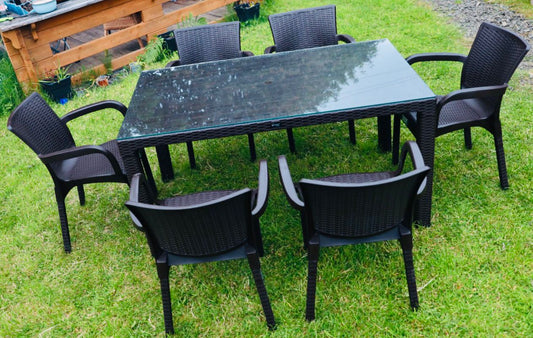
(469, 14)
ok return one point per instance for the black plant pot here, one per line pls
(57, 90)
(245, 12)
(169, 41)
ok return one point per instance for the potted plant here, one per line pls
(57, 85)
(169, 42)
(247, 9)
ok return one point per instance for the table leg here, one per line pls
(426, 142)
(165, 163)
(384, 133)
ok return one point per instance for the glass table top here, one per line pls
(270, 87)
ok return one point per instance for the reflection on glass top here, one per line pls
(270, 87)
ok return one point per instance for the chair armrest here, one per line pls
(435, 57)
(412, 148)
(262, 190)
(246, 53)
(270, 49)
(93, 108)
(69, 153)
(288, 185)
(135, 185)
(345, 38)
(173, 63)
(417, 159)
(471, 93)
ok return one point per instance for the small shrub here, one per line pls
(154, 52)
(11, 93)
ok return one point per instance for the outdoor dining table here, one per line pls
(278, 91)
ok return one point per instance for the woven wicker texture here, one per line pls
(305, 28)
(202, 227)
(201, 44)
(199, 230)
(357, 208)
(122, 23)
(208, 42)
(44, 132)
(94, 165)
(39, 126)
(494, 56)
(360, 210)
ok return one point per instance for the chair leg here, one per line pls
(468, 138)
(351, 131)
(60, 199)
(313, 248)
(255, 266)
(81, 194)
(406, 241)
(500, 156)
(305, 233)
(290, 136)
(190, 152)
(251, 144)
(258, 240)
(396, 138)
(162, 273)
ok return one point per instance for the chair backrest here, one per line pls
(361, 209)
(304, 28)
(494, 56)
(198, 230)
(35, 123)
(211, 42)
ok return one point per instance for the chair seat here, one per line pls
(122, 23)
(464, 111)
(94, 165)
(194, 199)
(456, 113)
(358, 177)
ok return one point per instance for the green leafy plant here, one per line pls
(107, 62)
(191, 21)
(60, 73)
(247, 3)
(154, 52)
(11, 92)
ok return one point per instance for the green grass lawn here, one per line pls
(474, 266)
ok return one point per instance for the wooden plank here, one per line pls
(117, 63)
(54, 30)
(31, 54)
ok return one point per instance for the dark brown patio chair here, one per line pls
(357, 208)
(35, 123)
(202, 227)
(306, 28)
(204, 43)
(495, 54)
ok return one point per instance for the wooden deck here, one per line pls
(36, 43)
(98, 32)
